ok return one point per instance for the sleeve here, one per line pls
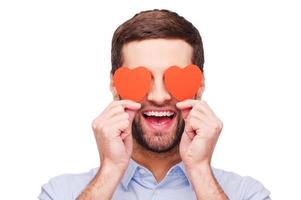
(58, 188)
(44, 195)
(254, 190)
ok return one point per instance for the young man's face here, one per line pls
(153, 127)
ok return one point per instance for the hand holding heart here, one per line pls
(202, 129)
(112, 131)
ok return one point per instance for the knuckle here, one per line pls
(104, 130)
(126, 115)
(95, 124)
(189, 117)
(193, 122)
(219, 126)
(219, 123)
(112, 104)
(125, 123)
(98, 126)
(194, 113)
(97, 121)
(204, 102)
(120, 108)
(198, 105)
(115, 104)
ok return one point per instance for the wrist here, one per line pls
(105, 181)
(202, 179)
(199, 170)
(111, 170)
(119, 164)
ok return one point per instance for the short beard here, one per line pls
(140, 137)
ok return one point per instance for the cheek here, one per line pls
(138, 120)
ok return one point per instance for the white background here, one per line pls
(54, 80)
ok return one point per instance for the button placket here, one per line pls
(156, 193)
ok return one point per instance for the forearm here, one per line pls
(103, 185)
(205, 185)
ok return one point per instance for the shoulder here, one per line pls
(66, 186)
(240, 187)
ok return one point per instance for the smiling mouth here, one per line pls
(159, 120)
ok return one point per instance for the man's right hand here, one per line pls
(112, 130)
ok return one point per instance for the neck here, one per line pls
(157, 163)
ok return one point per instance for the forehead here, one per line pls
(157, 54)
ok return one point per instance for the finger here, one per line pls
(117, 107)
(123, 103)
(185, 139)
(123, 135)
(185, 107)
(189, 129)
(129, 104)
(128, 116)
(119, 126)
(115, 111)
(198, 112)
(202, 117)
(190, 134)
(132, 115)
(128, 142)
(203, 106)
(199, 120)
(114, 129)
(196, 105)
(188, 103)
(185, 113)
(120, 117)
(204, 128)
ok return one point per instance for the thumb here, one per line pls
(185, 113)
(128, 142)
(132, 114)
(127, 135)
(188, 131)
(185, 141)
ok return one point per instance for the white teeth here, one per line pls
(159, 114)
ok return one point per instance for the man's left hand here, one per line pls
(202, 129)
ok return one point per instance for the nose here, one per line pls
(158, 94)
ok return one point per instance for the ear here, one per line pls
(113, 89)
(201, 89)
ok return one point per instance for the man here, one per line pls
(157, 146)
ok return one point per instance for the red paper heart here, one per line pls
(132, 84)
(183, 83)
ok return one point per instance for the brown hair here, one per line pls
(156, 24)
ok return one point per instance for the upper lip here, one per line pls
(158, 110)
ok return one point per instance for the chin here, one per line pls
(158, 141)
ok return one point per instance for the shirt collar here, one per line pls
(130, 172)
(182, 167)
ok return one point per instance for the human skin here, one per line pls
(112, 128)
